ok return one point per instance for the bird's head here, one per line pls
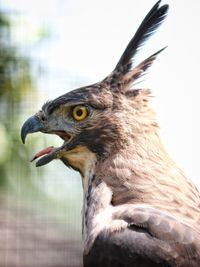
(99, 120)
(93, 120)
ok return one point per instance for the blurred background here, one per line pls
(50, 47)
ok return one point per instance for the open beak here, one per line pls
(32, 125)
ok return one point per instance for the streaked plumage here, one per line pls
(139, 208)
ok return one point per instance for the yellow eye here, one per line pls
(79, 113)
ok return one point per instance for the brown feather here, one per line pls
(139, 208)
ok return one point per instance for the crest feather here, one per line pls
(125, 72)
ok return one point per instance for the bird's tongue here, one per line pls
(42, 152)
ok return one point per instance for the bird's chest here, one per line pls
(97, 209)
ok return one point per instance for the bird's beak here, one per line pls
(32, 125)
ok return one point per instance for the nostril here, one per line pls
(43, 118)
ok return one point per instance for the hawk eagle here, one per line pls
(139, 208)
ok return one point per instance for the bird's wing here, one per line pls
(151, 238)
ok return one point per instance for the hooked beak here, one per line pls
(32, 125)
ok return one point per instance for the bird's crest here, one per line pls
(126, 71)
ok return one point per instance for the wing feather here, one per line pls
(152, 238)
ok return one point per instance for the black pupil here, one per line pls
(79, 112)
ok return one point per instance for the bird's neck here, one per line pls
(143, 172)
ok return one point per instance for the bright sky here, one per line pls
(87, 40)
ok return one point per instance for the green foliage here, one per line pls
(19, 179)
(15, 81)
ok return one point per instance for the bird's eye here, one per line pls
(79, 113)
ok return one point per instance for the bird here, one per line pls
(139, 208)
